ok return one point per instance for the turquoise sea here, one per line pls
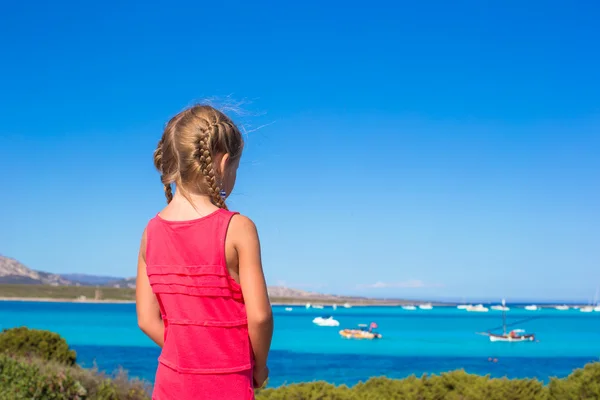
(414, 342)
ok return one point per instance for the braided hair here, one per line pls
(191, 143)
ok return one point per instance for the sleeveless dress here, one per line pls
(207, 353)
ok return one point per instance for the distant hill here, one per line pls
(14, 272)
(122, 283)
(84, 279)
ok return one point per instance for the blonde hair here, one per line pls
(192, 142)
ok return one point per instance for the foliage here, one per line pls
(35, 379)
(64, 292)
(36, 343)
(582, 384)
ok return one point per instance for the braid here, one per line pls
(207, 168)
(168, 192)
(158, 163)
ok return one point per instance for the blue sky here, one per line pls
(411, 149)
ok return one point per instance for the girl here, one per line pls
(201, 293)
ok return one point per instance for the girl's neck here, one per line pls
(191, 205)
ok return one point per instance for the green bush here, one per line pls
(36, 343)
(582, 384)
(35, 379)
(22, 380)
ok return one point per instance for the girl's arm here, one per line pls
(148, 311)
(254, 288)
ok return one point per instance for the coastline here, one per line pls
(115, 301)
(291, 303)
(53, 300)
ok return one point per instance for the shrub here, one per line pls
(22, 380)
(36, 343)
(35, 379)
(582, 384)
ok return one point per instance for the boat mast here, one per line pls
(504, 316)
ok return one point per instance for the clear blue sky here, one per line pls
(415, 149)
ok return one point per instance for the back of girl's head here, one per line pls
(190, 149)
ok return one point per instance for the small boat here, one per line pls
(361, 333)
(426, 307)
(516, 335)
(532, 307)
(478, 308)
(597, 309)
(307, 305)
(562, 308)
(320, 307)
(346, 305)
(500, 308)
(464, 306)
(409, 308)
(586, 309)
(325, 321)
(288, 309)
(334, 306)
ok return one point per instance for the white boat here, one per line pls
(478, 308)
(464, 306)
(334, 307)
(288, 309)
(318, 307)
(532, 307)
(409, 308)
(325, 321)
(500, 308)
(597, 308)
(307, 305)
(516, 335)
(586, 309)
(562, 308)
(346, 305)
(426, 307)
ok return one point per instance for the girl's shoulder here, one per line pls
(242, 228)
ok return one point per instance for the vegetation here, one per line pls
(43, 345)
(39, 365)
(34, 379)
(65, 292)
(73, 293)
(582, 384)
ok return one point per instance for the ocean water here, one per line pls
(414, 342)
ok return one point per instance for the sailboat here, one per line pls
(593, 305)
(515, 335)
(463, 305)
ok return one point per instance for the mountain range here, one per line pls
(14, 272)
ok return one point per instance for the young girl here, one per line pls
(201, 293)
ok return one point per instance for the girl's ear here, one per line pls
(222, 167)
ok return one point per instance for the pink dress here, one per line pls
(207, 353)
